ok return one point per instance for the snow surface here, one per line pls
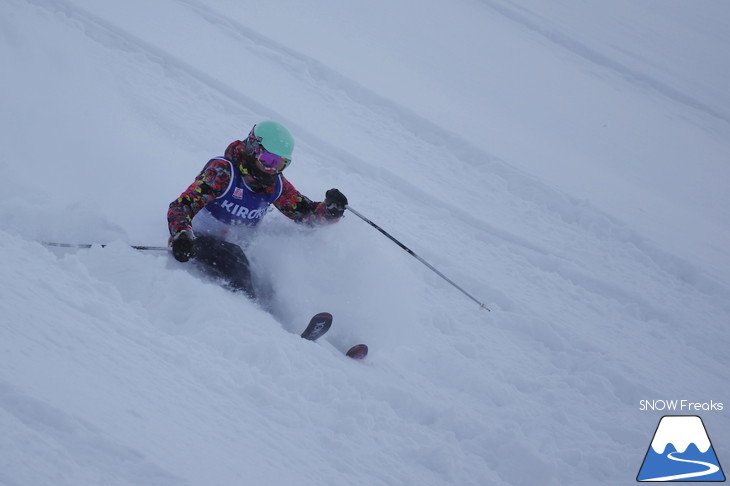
(564, 161)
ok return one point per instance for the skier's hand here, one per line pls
(334, 203)
(182, 245)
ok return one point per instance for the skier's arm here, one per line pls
(301, 209)
(212, 182)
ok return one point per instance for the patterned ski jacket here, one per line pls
(217, 180)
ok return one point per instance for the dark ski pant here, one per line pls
(226, 261)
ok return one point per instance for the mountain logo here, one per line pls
(680, 451)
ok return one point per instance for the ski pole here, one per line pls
(90, 245)
(413, 254)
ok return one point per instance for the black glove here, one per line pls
(182, 245)
(334, 203)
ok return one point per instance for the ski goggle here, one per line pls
(266, 161)
(271, 163)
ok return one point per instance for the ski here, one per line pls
(358, 351)
(318, 326)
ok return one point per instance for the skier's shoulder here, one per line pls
(288, 192)
(285, 182)
(217, 172)
(219, 164)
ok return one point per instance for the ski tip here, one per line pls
(318, 326)
(359, 351)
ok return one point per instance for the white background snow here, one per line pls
(566, 162)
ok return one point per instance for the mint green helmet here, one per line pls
(274, 138)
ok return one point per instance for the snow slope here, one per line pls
(566, 163)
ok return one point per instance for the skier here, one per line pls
(234, 193)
